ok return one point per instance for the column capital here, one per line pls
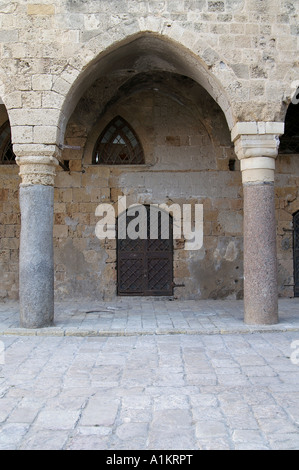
(257, 139)
(37, 170)
(37, 163)
(256, 145)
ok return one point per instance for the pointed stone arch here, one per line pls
(147, 51)
(7, 155)
(2, 90)
(290, 92)
(6, 149)
(289, 141)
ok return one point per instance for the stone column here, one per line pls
(36, 271)
(256, 145)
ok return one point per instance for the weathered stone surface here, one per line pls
(252, 415)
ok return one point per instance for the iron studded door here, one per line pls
(145, 266)
(296, 253)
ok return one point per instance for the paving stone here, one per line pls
(22, 415)
(277, 425)
(87, 443)
(171, 440)
(93, 431)
(136, 402)
(57, 419)
(129, 431)
(11, 435)
(217, 443)
(171, 402)
(210, 429)
(135, 416)
(283, 441)
(6, 407)
(207, 413)
(44, 439)
(100, 412)
(248, 439)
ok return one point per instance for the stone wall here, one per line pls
(187, 160)
(9, 231)
(287, 204)
(86, 266)
(246, 53)
(9, 226)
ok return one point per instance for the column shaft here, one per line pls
(36, 256)
(256, 145)
(260, 258)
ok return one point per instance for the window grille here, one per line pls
(7, 156)
(118, 145)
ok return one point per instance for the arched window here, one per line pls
(6, 153)
(289, 142)
(118, 145)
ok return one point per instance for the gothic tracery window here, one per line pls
(6, 152)
(118, 145)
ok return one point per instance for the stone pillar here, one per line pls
(36, 266)
(256, 145)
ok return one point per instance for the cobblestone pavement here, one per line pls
(136, 315)
(203, 389)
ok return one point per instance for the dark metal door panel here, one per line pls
(159, 275)
(145, 267)
(130, 269)
(130, 276)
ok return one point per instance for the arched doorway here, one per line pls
(289, 151)
(160, 93)
(145, 263)
(10, 212)
(7, 155)
(296, 253)
(289, 142)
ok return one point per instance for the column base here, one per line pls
(254, 316)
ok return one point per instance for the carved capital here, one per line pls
(256, 145)
(248, 146)
(257, 139)
(37, 170)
